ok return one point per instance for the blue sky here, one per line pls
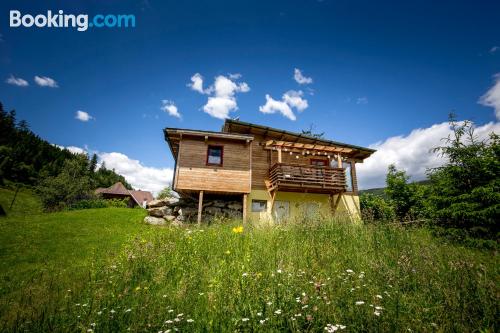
(379, 70)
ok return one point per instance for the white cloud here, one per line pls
(300, 78)
(295, 100)
(492, 97)
(17, 81)
(273, 106)
(494, 49)
(83, 116)
(170, 108)
(197, 83)
(411, 153)
(138, 175)
(290, 99)
(362, 100)
(45, 81)
(222, 99)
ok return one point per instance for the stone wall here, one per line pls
(184, 210)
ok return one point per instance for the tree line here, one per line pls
(59, 176)
(461, 200)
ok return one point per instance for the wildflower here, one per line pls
(262, 321)
(298, 315)
(360, 303)
(137, 288)
(376, 313)
(92, 324)
(168, 322)
(112, 311)
(180, 315)
(277, 312)
(128, 310)
(379, 308)
(379, 296)
(305, 307)
(349, 271)
(85, 304)
(190, 320)
(99, 313)
(201, 294)
(331, 328)
(238, 230)
(177, 320)
(90, 330)
(228, 252)
(259, 314)
(279, 271)
(170, 311)
(244, 274)
(245, 319)
(269, 303)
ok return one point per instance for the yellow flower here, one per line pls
(228, 252)
(238, 230)
(137, 288)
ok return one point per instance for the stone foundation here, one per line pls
(185, 210)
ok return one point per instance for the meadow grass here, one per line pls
(104, 271)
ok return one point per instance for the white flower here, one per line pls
(92, 324)
(99, 313)
(170, 311)
(244, 274)
(269, 303)
(190, 320)
(376, 313)
(331, 328)
(164, 296)
(379, 296)
(350, 271)
(278, 312)
(128, 310)
(279, 271)
(90, 330)
(305, 306)
(180, 315)
(112, 311)
(244, 319)
(360, 303)
(259, 314)
(379, 308)
(262, 321)
(168, 322)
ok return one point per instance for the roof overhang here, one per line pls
(174, 135)
(282, 138)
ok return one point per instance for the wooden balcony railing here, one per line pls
(306, 178)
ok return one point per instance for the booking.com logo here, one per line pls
(80, 22)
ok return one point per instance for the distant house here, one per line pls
(119, 191)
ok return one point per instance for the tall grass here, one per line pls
(313, 277)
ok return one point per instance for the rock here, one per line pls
(172, 201)
(188, 211)
(157, 203)
(180, 218)
(160, 211)
(219, 203)
(235, 206)
(176, 223)
(212, 210)
(208, 204)
(169, 218)
(176, 209)
(154, 220)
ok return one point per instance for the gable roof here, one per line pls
(119, 189)
(174, 135)
(236, 126)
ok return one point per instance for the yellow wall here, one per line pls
(298, 204)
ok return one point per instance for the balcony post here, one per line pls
(279, 155)
(200, 206)
(339, 160)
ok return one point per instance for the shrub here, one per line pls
(375, 208)
(99, 203)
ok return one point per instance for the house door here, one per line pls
(281, 210)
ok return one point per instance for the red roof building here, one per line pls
(119, 191)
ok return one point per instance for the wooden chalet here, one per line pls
(277, 174)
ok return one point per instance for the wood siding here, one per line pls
(194, 174)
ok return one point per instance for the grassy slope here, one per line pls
(219, 278)
(38, 249)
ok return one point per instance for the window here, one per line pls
(319, 162)
(259, 205)
(214, 155)
(348, 175)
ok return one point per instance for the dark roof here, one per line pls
(236, 126)
(141, 196)
(120, 189)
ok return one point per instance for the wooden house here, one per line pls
(277, 174)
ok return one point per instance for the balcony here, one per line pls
(306, 178)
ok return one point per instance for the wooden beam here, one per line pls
(336, 204)
(339, 160)
(279, 155)
(200, 206)
(245, 197)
